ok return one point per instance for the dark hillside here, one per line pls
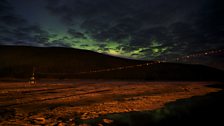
(70, 63)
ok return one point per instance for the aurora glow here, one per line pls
(139, 29)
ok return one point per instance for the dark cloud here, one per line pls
(12, 20)
(31, 35)
(103, 47)
(135, 54)
(8, 17)
(183, 22)
(5, 8)
(143, 11)
(177, 23)
(15, 30)
(58, 43)
(127, 47)
(4, 5)
(94, 26)
(71, 10)
(84, 45)
(144, 37)
(76, 34)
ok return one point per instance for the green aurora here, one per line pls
(109, 46)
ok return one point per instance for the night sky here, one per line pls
(139, 29)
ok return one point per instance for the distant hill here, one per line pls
(18, 62)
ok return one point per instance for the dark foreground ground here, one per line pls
(113, 103)
(207, 110)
